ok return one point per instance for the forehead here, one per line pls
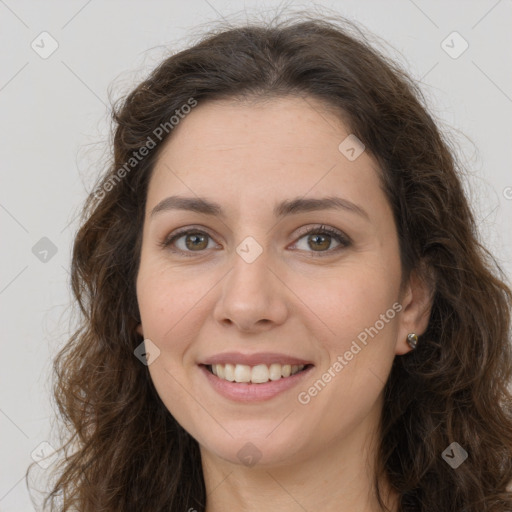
(291, 126)
(275, 148)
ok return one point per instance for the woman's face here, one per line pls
(261, 289)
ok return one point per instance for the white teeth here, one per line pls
(258, 374)
(286, 370)
(229, 372)
(242, 373)
(275, 371)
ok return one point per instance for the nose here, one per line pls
(253, 298)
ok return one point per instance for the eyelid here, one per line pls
(321, 228)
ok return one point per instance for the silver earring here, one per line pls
(412, 340)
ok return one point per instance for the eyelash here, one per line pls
(340, 237)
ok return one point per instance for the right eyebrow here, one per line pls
(193, 204)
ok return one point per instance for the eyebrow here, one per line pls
(287, 207)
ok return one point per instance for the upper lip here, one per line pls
(254, 359)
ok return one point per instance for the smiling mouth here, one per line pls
(258, 374)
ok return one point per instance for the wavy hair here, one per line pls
(124, 451)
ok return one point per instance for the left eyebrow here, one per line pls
(287, 207)
(300, 205)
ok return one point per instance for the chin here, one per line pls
(251, 450)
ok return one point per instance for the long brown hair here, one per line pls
(125, 451)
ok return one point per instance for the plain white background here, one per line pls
(54, 130)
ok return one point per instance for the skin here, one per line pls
(309, 301)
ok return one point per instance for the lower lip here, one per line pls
(248, 392)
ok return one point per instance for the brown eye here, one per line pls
(320, 241)
(196, 241)
(189, 241)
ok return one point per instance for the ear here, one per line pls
(139, 329)
(417, 298)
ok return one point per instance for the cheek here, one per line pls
(359, 306)
(167, 295)
(361, 313)
(168, 306)
(351, 299)
(162, 303)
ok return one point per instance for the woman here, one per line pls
(285, 303)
